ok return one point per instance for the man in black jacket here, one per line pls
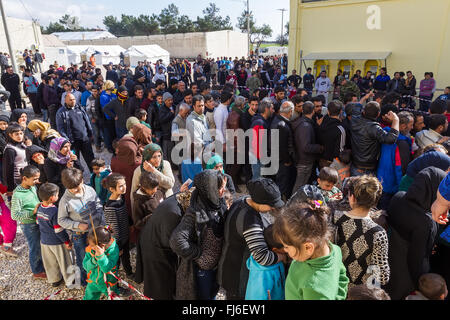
(11, 82)
(285, 177)
(306, 146)
(135, 102)
(332, 134)
(52, 100)
(73, 124)
(166, 115)
(367, 136)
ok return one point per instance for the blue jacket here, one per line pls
(73, 124)
(105, 99)
(390, 164)
(262, 279)
(104, 194)
(431, 158)
(52, 233)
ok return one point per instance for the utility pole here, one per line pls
(248, 26)
(8, 40)
(282, 25)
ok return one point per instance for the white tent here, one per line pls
(151, 52)
(54, 51)
(83, 35)
(74, 53)
(103, 54)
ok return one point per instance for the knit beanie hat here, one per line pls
(120, 95)
(4, 117)
(166, 96)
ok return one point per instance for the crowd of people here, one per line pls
(357, 209)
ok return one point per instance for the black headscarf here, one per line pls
(423, 191)
(206, 185)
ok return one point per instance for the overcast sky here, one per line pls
(91, 13)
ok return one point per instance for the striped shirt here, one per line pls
(116, 216)
(23, 202)
(51, 232)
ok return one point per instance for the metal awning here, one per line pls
(347, 56)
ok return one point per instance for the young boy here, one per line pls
(342, 165)
(76, 207)
(432, 286)
(266, 282)
(55, 241)
(14, 157)
(100, 173)
(328, 178)
(141, 114)
(146, 199)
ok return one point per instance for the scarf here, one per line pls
(54, 152)
(142, 134)
(200, 116)
(131, 122)
(122, 97)
(148, 154)
(46, 131)
(213, 162)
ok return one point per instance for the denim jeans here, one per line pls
(120, 132)
(33, 236)
(79, 245)
(355, 172)
(97, 133)
(45, 115)
(304, 172)
(207, 286)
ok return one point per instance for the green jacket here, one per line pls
(23, 202)
(349, 87)
(323, 278)
(97, 267)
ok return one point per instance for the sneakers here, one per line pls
(8, 252)
(40, 276)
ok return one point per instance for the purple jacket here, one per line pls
(427, 87)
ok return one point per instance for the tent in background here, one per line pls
(74, 53)
(151, 52)
(103, 54)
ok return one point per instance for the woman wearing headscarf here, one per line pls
(36, 157)
(59, 158)
(42, 133)
(131, 121)
(412, 232)
(152, 161)
(216, 163)
(156, 263)
(21, 117)
(197, 240)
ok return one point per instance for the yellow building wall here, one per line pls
(417, 32)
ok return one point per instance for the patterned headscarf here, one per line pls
(46, 131)
(54, 153)
(148, 154)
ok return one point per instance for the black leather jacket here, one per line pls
(367, 137)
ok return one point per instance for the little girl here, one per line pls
(24, 204)
(317, 272)
(363, 242)
(116, 216)
(102, 255)
(8, 227)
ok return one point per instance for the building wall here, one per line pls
(184, 45)
(23, 35)
(417, 32)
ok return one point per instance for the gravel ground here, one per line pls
(16, 282)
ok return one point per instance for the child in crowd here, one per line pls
(55, 241)
(317, 272)
(432, 286)
(100, 172)
(24, 204)
(363, 242)
(142, 116)
(342, 165)
(117, 217)
(14, 156)
(4, 120)
(102, 256)
(146, 199)
(8, 227)
(266, 282)
(76, 208)
(327, 181)
(362, 292)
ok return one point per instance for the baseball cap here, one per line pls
(265, 191)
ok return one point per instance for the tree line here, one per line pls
(169, 21)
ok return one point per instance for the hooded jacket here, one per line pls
(122, 111)
(76, 209)
(413, 232)
(30, 151)
(367, 137)
(332, 136)
(306, 145)
(391, 162)
(262, 279)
